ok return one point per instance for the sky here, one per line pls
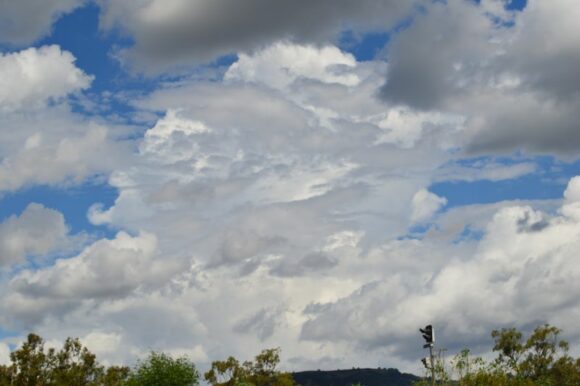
(215, 177)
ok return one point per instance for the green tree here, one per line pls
(115, 376)
(260, 372)
(160, 369)
(540, 360)
(74, 365)
(32, 365)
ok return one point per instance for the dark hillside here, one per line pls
(366, 377)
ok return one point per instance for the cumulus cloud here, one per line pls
(102, 343)
(509, 74)
(433, 61)
(291, 192)
(425, 204)
(275, 165)
(35, 76)
(545, 53)
(262, 323)
(523, 271)
(24, 21)
(71, 159)
(42, 141)
(280, 64)
(180, 31)
(286, 190)
(4, 354)
(105, 270)
(36, 232)
(271, 192)
(485, 170)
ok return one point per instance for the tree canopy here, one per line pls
(33, 365)
(540, 360)
(159, 369)
(259, 372)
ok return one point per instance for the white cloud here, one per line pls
(281, 64)
(4, 354)
(425, 205)
(107, 268)
(102, 343)
(571, 207)
(283, 195)
(486, 170)
(266, 199)
(70, 160)
(104, 272)
(36, 232)
(33, 77)
(23, 21)
(42, 141)
(522, 271)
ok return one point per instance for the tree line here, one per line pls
(542, 359)
(74, 365)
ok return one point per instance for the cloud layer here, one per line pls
(287, 199)
(178, 31)
(36, 232)
(24, 21)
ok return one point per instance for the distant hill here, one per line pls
(366, 377)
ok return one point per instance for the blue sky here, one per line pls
(336, 162)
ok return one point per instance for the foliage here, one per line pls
(541, 360)
(159, 369)
(260, 372)
(32, 365)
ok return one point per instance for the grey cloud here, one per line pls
(193, 32)
(72, 159)
(262, 323)
(528, 224)
(438, 56)
(316, 262)
(545, 51)
(515, 84)
(528, 122)
(104, 269)
(36, 232)
(515, 277)
(24, 21)
(300, 363)
(239, 245)
(158, 324)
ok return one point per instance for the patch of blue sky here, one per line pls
(114, 87)
(468, 234)
(418, 232)
(516, 5)
(511, 5)
(73, 202)
(5, 333)
(548, 182)
(79, 33)
(94, 52)
(364, 47)
(372, 45)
